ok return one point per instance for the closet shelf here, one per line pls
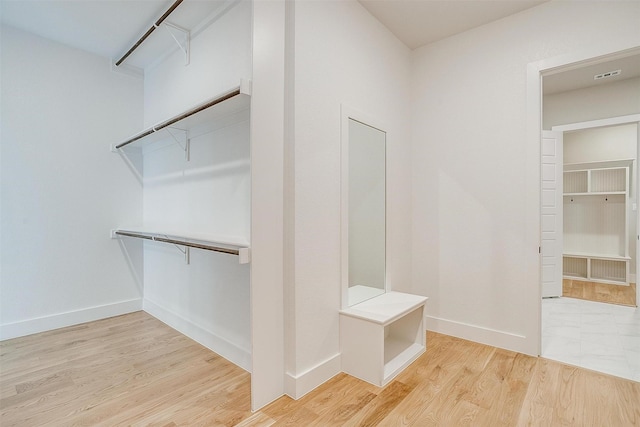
(224, 244)
(197, 120)
(171, 31)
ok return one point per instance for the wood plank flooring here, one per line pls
(600, 292)
(134, 370)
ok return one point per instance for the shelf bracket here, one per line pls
(184, 42)
(182, 140)
(186, 251)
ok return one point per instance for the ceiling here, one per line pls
(420, 22)
(106, 27)
(110, 27)
(583, 77)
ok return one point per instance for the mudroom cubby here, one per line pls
(596, 237)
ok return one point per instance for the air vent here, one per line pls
(607, 74)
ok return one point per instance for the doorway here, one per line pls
(580, 332)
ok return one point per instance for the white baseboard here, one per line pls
(224, 348)
(297, 386)
(61, 320)
(492, 337)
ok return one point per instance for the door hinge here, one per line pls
(539, 249)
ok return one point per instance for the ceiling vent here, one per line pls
(607, 74)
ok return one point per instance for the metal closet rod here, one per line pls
(179, 242)
(149, 31)
(180, 117)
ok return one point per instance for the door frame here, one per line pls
(533, 131)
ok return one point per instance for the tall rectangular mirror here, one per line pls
(366, 205)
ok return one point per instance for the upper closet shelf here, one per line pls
(170, 32)
(199, 119)
(225, 244)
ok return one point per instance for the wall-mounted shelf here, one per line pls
(382, 336)
(170, 31)
(213, 113)
(223, 244)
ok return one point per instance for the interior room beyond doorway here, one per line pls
(600, 214)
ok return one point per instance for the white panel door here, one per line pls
(551, 214)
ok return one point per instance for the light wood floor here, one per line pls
(134, 370)
(600, 292)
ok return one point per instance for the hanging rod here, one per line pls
(182, 116)
(178, 242)
(149, 31)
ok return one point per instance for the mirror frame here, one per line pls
(348, 113)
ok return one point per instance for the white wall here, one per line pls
(342, 56)
(600, 144)
(598, 102)
(470, 241)
(62, 189)
(207, 299)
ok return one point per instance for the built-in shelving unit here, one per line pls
(214, 113)
(381, 336)
(596, 241)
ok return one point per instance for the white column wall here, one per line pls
(267, 202)
(342, 56)
(207, 299)
(470, 247)
(62, 190)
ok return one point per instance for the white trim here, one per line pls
(70, 318)
(297, 386)
(488, 336)
(219, 345)
(612, 121)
